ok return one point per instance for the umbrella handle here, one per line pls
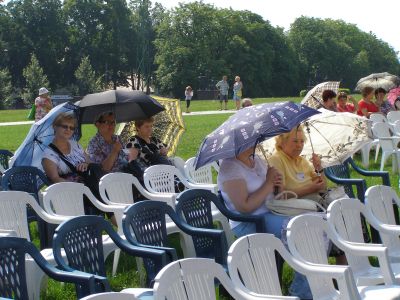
(312, 146)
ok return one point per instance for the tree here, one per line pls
(35, 79)
(86, 78)
(5, 88)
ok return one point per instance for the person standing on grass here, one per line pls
(237, 91)
(223, 88)
(188, 97)
(43, 104)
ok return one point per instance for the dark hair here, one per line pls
(139, 123)
(366, 91)
(100, 116)
(380, 90)
(342, 95)
(328, 94)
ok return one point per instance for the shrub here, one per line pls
(347, 91)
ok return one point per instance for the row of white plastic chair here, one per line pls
(252, 266)
(388, 142)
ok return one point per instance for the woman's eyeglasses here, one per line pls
(65, 127)
(107, 122)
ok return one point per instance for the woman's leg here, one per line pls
(187, 105)
(244, 228)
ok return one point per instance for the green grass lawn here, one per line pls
(196, 129)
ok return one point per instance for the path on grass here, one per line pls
(195, 113)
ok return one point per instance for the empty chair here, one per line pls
(252, 267)
(14, 220)
(389, 145)
(81, 238)
(344, 218)
(201, 175)
(193, 279)
(393, 116)
(382, 203)
(30, 180)
(378, 118)
(147, 220)
(13, 251)
(306, 235)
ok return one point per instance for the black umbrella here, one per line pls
(126, 105)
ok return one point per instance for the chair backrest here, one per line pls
(193, 279)
(379, 201)
(64, 198)
(81, 238)
(378, 118)
(195, 206)
(396, 127)
(306, 240)
(117, 188)
(201, 175)
(161, 178)
(24, 178)
(345, 217)
(341, 171)
(252, 263)
(393, 116)
(382, 131)
(5, 156)
(13, 212)
(111, 296)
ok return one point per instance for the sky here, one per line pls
(379, 17)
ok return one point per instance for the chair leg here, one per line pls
(383, 160)
(377, 147)
(36, 279)
(187, 245)
(117, 254)
(365, 155)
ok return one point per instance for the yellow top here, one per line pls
(296, 172)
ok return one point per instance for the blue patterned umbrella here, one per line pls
(250, 126)
(40, 135)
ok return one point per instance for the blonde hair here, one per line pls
(65, 117)
(282, 138)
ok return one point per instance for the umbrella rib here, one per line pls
(330, 145)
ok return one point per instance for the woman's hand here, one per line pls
(82, 167)
(318, 184)
(164, 151)
(116, 147)
(274, 177)
(133, 153)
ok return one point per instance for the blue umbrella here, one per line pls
(250, 126)
(40, 135)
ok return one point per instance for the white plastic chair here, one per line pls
(379, 202)
(201, 175)
(306, 235)
(161, 179)
(111, 296)
(66, 199)
(388, 144)
(194, 279)
(252, 267)
(378, 118)
(116, 189)
(179, 163)
(344, 218)
(393, 116)
(13, 222)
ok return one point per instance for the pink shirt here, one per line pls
(348, 107)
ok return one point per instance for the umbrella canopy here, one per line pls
(314, 96)
(168, 125)
(126, 105)
(40, 135)
(393, 94)
(334, 135)
(383, 80)
(249, 126)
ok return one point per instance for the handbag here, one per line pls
(292, 206)
(32, 112)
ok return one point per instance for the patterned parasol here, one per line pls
(168, 125)
(383, 80)
(314, 96)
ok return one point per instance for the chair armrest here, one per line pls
(203, 186)
(145, 251)
(383, 174)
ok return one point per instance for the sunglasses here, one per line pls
(107, 122)
(65, 127)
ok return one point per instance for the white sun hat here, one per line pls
(43, 91)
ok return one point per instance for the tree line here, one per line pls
(92, 45)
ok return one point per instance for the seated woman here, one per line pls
(246, 184)
(343, 106)
(328, 100)
(366, 106)
(54, 166)
(380, 101)
(105, 147)
(144, 149)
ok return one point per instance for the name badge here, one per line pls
(300, 176)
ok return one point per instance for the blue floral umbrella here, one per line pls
(250, 126)
(40, 135)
